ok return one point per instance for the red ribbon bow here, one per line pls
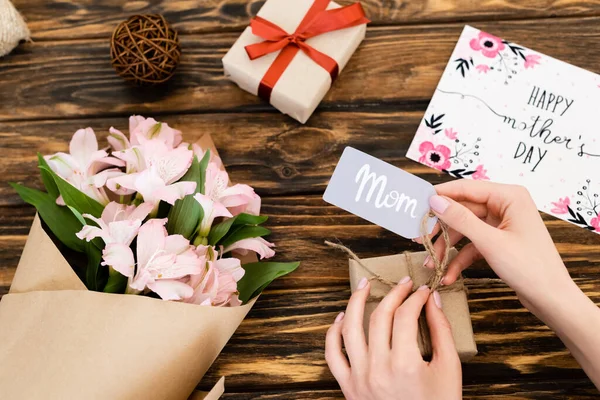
(318, 20)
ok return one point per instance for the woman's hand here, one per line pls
(505, 228)
(389, 366)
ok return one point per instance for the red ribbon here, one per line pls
(318, 20)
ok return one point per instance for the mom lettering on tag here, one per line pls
(380, 193)
(391, 199)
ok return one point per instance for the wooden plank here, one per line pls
(548, 390)
(268, 151)
(395, 68)
(91, 19)
(300, 225)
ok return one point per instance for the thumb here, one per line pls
(460, 218)
(442, 341)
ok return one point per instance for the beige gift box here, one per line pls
(304, 83)
(60, 341)
(454, 297)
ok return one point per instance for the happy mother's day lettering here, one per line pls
(539, 129)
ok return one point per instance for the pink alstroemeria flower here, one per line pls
(480, 174)
(258, 245)
(561, 206)
(213, 159)
(153, 171)
(211, 210)
(82, 165)
(142, 129)
(162, 261)
(118, 226)
(236, 198)
(217, 286)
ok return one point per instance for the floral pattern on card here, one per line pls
(585, 211)
(496, 55)
(447, 152)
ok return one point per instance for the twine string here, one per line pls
(440, 264)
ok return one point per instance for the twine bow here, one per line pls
(318, 20)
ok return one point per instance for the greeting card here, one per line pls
(505, 113)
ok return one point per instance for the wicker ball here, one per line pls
(145, 50)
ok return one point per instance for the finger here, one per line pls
(439, 247)
(352, 327)
(465, 257)
(336, 360)
(463, 220)
(442, 341)
(480, 210)
(406, 325)
(380, 324)
(469, 190)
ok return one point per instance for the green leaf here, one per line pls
(259, 275)
(77, 215)
(202, 179)
(245, 232)
(94, 255)
(117, 283)
(249, 219)
(218, 232)
(74, 198)
(187, 212)
(47, 178)
(61, 221)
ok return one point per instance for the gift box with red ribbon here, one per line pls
(293, 50)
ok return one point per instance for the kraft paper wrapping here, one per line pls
(454, 297)
(304, 83)
(60, 341)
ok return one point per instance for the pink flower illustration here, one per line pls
(532, 60)
(437, 157)
(561, 206)
(480, 174)
(450, 133)
(595, 222)
(489, 45)
(482, 68)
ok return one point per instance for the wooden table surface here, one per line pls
(63, 81)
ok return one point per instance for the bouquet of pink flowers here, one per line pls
(149, 215)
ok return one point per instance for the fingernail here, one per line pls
(404, 280)
(339, 317)
(363, 283)
(437, 299)
(438, 204)
(426, 262)
(424, 287)
(442, 283)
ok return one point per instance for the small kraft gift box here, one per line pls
(293, 51)
(454, 297)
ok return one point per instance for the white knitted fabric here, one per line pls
(12, 27)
